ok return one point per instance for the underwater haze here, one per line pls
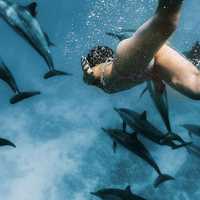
(61, 151)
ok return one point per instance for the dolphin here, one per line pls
(194, 54)
(23, 20)
(140, 124)
(6, 76)
(5, 142)
(117, 194)
(133, 144)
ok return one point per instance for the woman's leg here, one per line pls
(178, 72)
(135, 53)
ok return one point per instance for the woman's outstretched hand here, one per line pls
(88, 75)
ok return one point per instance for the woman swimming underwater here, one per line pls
(144, 56)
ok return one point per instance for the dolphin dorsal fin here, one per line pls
(128, 189)
(144, 115)
(32, 8)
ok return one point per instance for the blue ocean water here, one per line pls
(61, 151)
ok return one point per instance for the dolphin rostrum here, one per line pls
(133, 144)
(117, 194)
(6, 76)
(140, 124)
(23, 20)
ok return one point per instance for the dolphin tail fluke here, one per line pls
(54, 72)
(5, 142)
(23, 95)
(161, 179)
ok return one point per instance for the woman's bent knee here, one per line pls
(194, 87)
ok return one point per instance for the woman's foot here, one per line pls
(169, 4)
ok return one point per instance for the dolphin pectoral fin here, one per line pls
(161, 179)
(48, 40)
(114, 146)
(54, 72)
(23, 95)
(32, 8)
(5, 142)
(7, 76)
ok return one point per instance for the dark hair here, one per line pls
(99, 54)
